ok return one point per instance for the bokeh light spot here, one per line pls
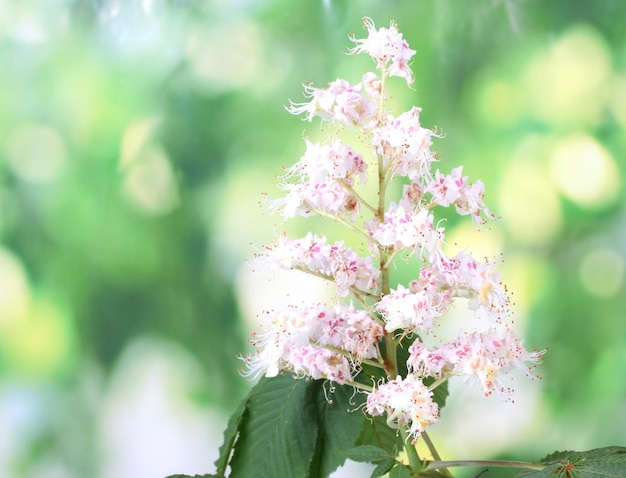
(150, 183)
(602, 272)
(40, 343)
(228, 58)
(245, 217)
(15, 294)
(526, 277)
(528, 201)
(466, 237)
(584, 171)
(36, 153)
(136, 137)
(568, 83)
(499, 102)
(617, 104)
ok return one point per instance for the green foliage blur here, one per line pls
(137, 139)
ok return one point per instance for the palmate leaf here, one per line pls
(340, 423)
(291, 427)
(230, 435)
(440, 394)
(377, 433)
(299, 428)
(382, 468)
(609, 462)
(195, 476)
(278, 430)
(400, 471)
(367, 454)
(372, 454)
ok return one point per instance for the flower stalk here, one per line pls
(438, 465)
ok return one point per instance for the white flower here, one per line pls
(407, 403)
(388, 47)
(412, 229)
(403, 309)
(454, 189)
(405, 145)
(335, 262)
(340, 102)
(477, 357)
(322, 177)
(296, 340)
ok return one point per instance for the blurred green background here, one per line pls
(137, 139)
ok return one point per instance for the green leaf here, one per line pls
(230, 435)
(402, 354)
(400, 471)
(278, 431)
(382, 468)
(440, 394)
(369, 374)
(608, 462)
(195, 476)
(340, 424)
(381, 435)
(366, 454)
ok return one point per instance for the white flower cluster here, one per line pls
(324, 177)
(333, 341)
(407, 403)
(342, 103)
(309, 341)
(335, 262)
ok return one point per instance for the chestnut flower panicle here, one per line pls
(334, 341)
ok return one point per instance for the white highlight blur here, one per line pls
(584, 171)
(149, 426)
(601, 272)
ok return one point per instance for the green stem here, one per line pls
(438, 464)
(353, 289)
(341, 220)
(381, 101)
(411, 451)
(363, 293)
(391, 257)
(391, 359)
(434, 385)
(360, 386)
(358, 295)
(314, 273)
(351, 190)
(348, 355)
(391, 362)
(434, 453)
(387, 173)
(391, 356)
(373, 363)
